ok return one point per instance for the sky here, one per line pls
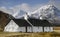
(25, 5)
(17, 5)
(9, 3)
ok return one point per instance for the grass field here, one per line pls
(41, 34)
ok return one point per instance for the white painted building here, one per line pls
(15, 28)
(11, 27)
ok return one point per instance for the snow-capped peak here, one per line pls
(43, 11)
(47, 6)
(48, 12)
(37, 13)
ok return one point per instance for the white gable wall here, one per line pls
(11, 27)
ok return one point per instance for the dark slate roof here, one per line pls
(22, 22)
(35, 22)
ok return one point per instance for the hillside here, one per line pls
(3, 20)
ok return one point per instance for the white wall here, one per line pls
(22, 29)
(16, 28)
(48, 29)
(29, 29)
(35, 29)
(39, 29)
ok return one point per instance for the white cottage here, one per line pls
(20, 25)
(11, 27)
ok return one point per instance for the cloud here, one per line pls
(25, 7)
(56, 3)
(5, 10)
(15, 10)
